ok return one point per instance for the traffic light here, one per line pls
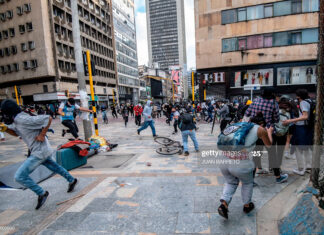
(204, 83)
(196, 77)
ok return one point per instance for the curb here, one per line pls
(278, 207)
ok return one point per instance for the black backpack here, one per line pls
(310, 122)
(186, 118)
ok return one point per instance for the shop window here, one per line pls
(310, 36)
(256, 12)
(282, 8)
(229, 44)
(22, 29)
(229, 16)
(267, 39)
(310, 5)
(242, 43)
(296, 6)
(254, 42)
(29, 26)
(12, 32)
(281, 39)
(296, 75)
(241, 15)
(296, 38)
(268, 10)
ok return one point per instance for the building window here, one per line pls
(281, 39)
(310, 36)
(16, 66)
(14, 50)
(229, 44)
(22, 28)
(33, 64)
(0, 36)
(7, 51)
(254, 42)
(105, 91)
(3, 69)
(5, 34)
(296, 6)
(310, 5)
(241, 14)
(242, 44)
(45, 88)
(3, 17)
(9, 14)
(256, 12)
(26, 65)
(9, 68)
(29, 26)
(282, 8)
(27, 7)
(296, 38)
(24, 47)
(12, 32)
(268, 10)
(31, 45)
(1, 52)
(20, 11)
(267, 40)
(296, 75)
(229, 16)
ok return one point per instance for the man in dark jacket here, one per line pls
(187, 127)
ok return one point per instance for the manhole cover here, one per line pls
(109, 161)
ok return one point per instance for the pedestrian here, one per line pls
(125, 113)
(138, 110)
(176, 115)
(223, 112)
(242, 172)
(113, 111)
(210, 111)
(187, 127)
(302, 138)
(32, 130)
(104, 114)
(148, 120)
(67, 110)
(131, 109)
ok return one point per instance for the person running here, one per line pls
(187, 127)
(104, 114)
(113, 111)
(32, 130)
(131, 109)
(244, 171)
(148, 120)
(67, 110)
(138, 110)
(176, 115)
(303, 133)
(125, 113)
(210, 111)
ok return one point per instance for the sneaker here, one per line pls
(262, 171)
(63, 132)
(255, 184)
(283, 178)
(290, 156)
(186, 153)
(197, 150)
(154, 136)
(138, 132)
(72, 185)
(41, 200)
(248, 209)
(298, 172)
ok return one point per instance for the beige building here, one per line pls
(37, 51)
(256, 42)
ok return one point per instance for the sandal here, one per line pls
(248, 209)
(223, 211)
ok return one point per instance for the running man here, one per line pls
(32, 130)
(148, 120)
(66, 110)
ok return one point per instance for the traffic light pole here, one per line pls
(79, 67)
(193, 88)
(17, 98)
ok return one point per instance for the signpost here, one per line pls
(252, 87)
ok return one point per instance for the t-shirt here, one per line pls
(68, 111)
(304, 107)
(28, 128)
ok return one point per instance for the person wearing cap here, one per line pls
(66, 110)
(32, 130)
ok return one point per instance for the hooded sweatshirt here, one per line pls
(147, 113)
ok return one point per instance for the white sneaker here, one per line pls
(290, 156)
(298, 172)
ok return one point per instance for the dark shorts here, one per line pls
(302, 136)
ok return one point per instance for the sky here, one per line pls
(141, 32)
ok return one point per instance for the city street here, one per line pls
(120, 193)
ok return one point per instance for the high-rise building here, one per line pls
(126, 51)
(260, 43)
(37, 51)
(166, 36)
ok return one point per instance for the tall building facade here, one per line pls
(166, 36)
(37, 51)
(259, 43)
(126, 50)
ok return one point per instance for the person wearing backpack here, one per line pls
(303, 132)
(241, 138)
(187, 127)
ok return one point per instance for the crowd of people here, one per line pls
(278, 123)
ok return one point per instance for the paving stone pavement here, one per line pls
(172, 196)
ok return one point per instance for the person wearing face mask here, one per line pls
(66, 110)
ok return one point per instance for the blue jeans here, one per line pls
(192, 135)
(146, 124)
(22, 174)
(233, 175)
